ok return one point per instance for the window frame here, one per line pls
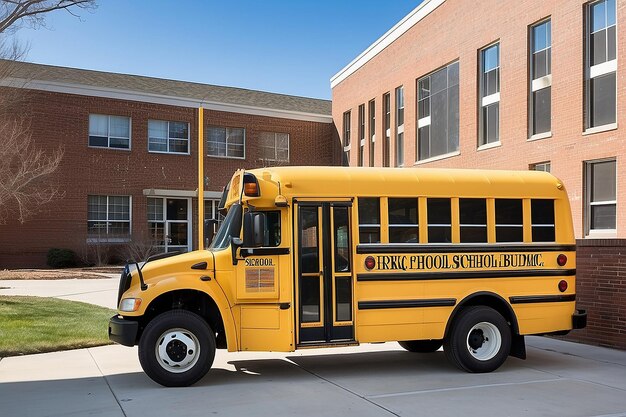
(109, 137)
(399, 136)
(386, 129)
(541, 83)
(588, 191)
(544, 164)
(168, 138)
(106, 238)
(372, 130)
(596, 71)
(361, 134)
(276, 159)
(345, 139)
(226, 129)
(485, 101)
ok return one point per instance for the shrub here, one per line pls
(61, 258)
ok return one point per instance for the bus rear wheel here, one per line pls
(479, 340)
(177, 348)
(421, 346)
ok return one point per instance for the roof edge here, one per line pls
(407, 22)
(113, 93)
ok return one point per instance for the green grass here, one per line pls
(36, 325)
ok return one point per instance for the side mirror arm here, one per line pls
(235, 243)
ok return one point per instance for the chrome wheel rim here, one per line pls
(177, 350)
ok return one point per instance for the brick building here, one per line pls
(507, 85)
(129, 171)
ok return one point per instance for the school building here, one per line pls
(128, 178)
(520, 85)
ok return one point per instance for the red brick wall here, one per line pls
(457, 30)
(63, 120)
(601, 290)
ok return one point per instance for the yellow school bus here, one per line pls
(320, 257)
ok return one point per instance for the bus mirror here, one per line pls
(253, 229)
(209, 231)
(235, 243)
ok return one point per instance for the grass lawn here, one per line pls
(37, 325)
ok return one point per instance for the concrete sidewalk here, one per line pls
(558, 379)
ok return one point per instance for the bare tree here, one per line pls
(15, 13)
(25, 169)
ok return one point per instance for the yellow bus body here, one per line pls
(318, 284)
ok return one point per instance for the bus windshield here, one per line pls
(230, 227)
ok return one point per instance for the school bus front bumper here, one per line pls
(123, 331)
(579, 319)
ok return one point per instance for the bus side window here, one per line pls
(369, 220)
(439, 213)
(272, 225)
(509, 220)
(403, 224)
(542, 220)
(473, 219)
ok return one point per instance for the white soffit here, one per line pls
(387, 39)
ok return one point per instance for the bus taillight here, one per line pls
(562, 285)
(561, 260)
(370, 263)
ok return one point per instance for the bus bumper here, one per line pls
(123, 331)
(579, 319)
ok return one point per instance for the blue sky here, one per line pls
(291, 47)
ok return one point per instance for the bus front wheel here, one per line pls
(479, 340)
(177, 348)
(421, 346)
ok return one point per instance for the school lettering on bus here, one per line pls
(450, 261)
(259, 262)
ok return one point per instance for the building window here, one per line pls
(400, 126)
(346, 138)
(601, 64)
(108, 218)
(372, 128)
(541, 166)
(170, 137)
(227, 142)
(274, 147)
(541, 78)
(386, 129)
(361, 134)
(369, 220)
(438, 113)
(109, 131)
(489, 105)
(600, 197)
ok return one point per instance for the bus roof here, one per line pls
(327, 182)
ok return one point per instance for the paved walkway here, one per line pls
(558, 379)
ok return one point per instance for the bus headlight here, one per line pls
(130, 304)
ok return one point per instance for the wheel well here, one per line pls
(191, 300)
(487, 299)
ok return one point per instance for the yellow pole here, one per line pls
(200, 178)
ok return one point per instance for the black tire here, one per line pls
(479, 340)
(421, 346)
(168, 348)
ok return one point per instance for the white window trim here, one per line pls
(226, 156)
(600, 129)
(438, 158)
(106, 238)
(109, 137)
(541, 83)
(540, 136)
(603, 68)
(168, 138)
(491, 99)
(424, 121)
(489, 145)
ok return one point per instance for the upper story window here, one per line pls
(541, 166)
(541, 78)
(386, 129)
(601, 64)
(372, 129)
(274, 146)
(361, 134)
(108, 217)
(400, 126)
(169, 137)
(438, 113)
(346, 137)
(226, 142)
(109, 131)
(600, 197)
(489, 97)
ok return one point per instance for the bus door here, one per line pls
(324, 273)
